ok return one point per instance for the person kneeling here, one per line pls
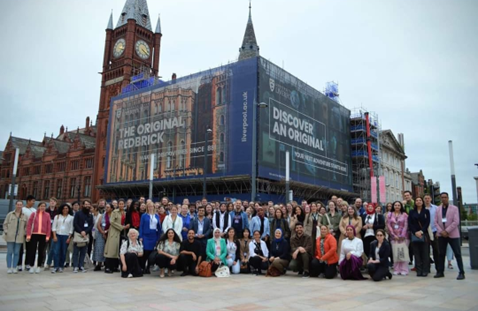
(190, 255)
(279, 254)
(258, 254)
(131, 251)
(379, 252)
(351, 256)
(168, 250)
(326, 258)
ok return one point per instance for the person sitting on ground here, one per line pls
(301, 251)
(378, 257)
(233, 251)
(325, 262)
(280, 251)
(130, 255)
(216, 250)
(168, 249)
(244, 250)
(190, 255)
(351, 253)
(258, 254)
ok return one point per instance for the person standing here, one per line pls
(433, 229)
(38, 234)
(239, 219)
(372, 221)
(418, 222)
(149, 234)
(62, 231)
(173, 221)
(14, 229)
(202, 228)
(82, 224)
(112, 245)
(447, 221)
(102, 226)
(27, 211)
(51, 246)
(398, 230)
(186, 221)
(332, 220)
(261, 223)
(222, 220)
(279, 222)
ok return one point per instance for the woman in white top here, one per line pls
(233, 251)
(130, 253)
(62, 231)
(173, 221)
(350, 259)
(258, 254)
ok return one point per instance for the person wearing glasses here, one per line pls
(378, 257)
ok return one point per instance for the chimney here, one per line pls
(87, 123)
(401, 140)
(173, 77)
(62, 130)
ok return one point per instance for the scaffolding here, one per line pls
(365, 149)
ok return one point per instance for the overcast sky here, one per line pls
(414, 63)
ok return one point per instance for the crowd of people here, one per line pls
(137, 237)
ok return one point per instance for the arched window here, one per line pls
(181, 155)
(221, 122)
(223, 95)
(221, 157)
(218, 96)
(169, 158)
(221, 138)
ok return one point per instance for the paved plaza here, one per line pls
(100, 291)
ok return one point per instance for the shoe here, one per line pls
(146, 271)
(53, 271)
(410, 263)
(419, 274)
(321, 276)
(75, 270)
(130, 276)
(424, 275)
(183, 274)
(432, 261)
(155, 268)
(439, 275)
(108, 271)
(395, 273)
(97, 268)
(450, 266)
(38, 270)
(300, 272)
(258, 272)
(170, 273)
(14, 271)
(47, 267)
(414, 269)
(27, 268)
(9, 271)
(31, 271)
(461, 276)
(67, 265)
(389, 275)
(83, 270)
(19, 268)
(305, 275)
(161, 275)
(60, 270)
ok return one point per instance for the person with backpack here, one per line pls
(130, 255)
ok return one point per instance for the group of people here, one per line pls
(141, 237)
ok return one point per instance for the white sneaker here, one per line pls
(47, 267)
(32, 270)
(9, 271)
(15, 271)
(60, 270)
(83, 270)
(38, 270)
(27, 268)
(75, 270)
(155, 268)
(130, 275)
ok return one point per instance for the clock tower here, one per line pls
(130, 47)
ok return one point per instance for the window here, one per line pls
(74, 165)
(87, 184)
(72, 187)
(48, 168)
(46, 190)
(221, 122)
(168, 160)
(221, 138)
(89, 163)
(59, 188)
(36, 170)
(181, 155)
(60, 167)
(218, 96)
(35, 189)
(26, 171)
(221, 157)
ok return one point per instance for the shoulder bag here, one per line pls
(79, 240)
(205, 269)
(222, 272)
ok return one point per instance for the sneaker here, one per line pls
(60, 270)
(31, 270)
(75, 270)
(38, 270)
(53, 271)
(155, 268)
(9, 271)
(83, 270)
(19, 268)
(321, 276)
(27, 268)
(461, 276)
(14, 271)
(130, 275)
(305, 275)
(47, 267)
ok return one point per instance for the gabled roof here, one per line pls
(395, 144)
(137, 10)
(22, 143)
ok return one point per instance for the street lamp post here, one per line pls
(12, 184)
(254, 148)
(208, 130)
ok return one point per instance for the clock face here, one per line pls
(142, 49)
(118, 49)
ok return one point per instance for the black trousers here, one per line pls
(165, 262)
(317, 267)
(435, 249)
(111, 263)
(455, 246)
(132, 265)
(377, 271)
(366, 244)
(20, 257)
(145, 259)
(187, 264)
(421, 250)
(37, 241)
(257, 263)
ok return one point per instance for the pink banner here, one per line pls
(373, 188)
(382, 189)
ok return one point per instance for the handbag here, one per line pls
(79, 240)
(222, 272)
(273, 271)
(417, 239)
(204, 269)
(400, 252)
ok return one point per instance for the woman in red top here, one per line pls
(133, 217)
(326, 258)
(38, 234)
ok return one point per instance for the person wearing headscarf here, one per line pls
(216, 250)
(351, 253)
(279, 253)
(258, 254)
(325, 261)
(372, 221)
(351, 218)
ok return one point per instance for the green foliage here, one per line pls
(472, 217)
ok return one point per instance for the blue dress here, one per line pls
(186, 222)
(149, 231)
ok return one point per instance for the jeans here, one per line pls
(79, 253)
(60, 251)
(13, 253)
(235, 269)
(51, 252)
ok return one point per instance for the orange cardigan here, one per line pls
(330, 248)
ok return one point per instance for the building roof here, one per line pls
(158, 26)
(388, 139)
(249, 46)
(110, 22)
(22, 143)
(137, 10)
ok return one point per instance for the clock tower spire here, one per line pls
(131, 46)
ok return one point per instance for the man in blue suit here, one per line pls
(202, 228)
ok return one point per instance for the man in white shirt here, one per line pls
(221, 219)
(433, 209)
(27, 211)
